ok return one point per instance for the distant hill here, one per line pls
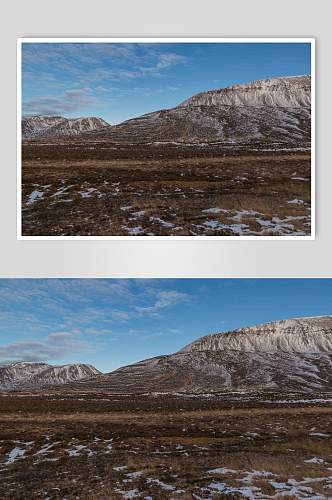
(32, 374)
(36, 127)
(289, 354)
(275, 108)
(292, 354)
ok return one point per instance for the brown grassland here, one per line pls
(76, 444)
(101, 188)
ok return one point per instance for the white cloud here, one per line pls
(146, 337)
(55, 346)
(47, 65)
(164, 299)
(69, 102)
(165, 60)
(89, 308)
(102, 88)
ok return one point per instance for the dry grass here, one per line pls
(75, 452)
(166, 189)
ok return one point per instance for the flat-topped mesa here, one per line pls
(288, 91)
(302, 335)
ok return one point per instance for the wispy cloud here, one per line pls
(104, 88)
(146, 337)
(62, 292)
(165, 60)
(160, 91)
(70, 102)
(55, 346)
(171, 297)
(164, 299)
(44, 319)
(94, 62)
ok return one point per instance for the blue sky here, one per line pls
(114, 322)
(118, 81)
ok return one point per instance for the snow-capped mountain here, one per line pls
(289, 91)
(36, 127)
(276, 108)
(290, 354)
(308, 335)
(32, 374)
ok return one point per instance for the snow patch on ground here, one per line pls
(16, 452)
(296, 200)
(73, 453)
(138, 214)
(87, 193)
(159, 483)
(215, 210)
(34, 196)
(164, 223)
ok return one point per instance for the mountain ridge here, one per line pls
(274, 108)
(43, 126)
(289, 91)
(34, 373)
(212, 361)
(297, 338)
(277, 109)
(290, 354)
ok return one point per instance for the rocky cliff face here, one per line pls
(290, 354)
(32, 374)
(36, 127)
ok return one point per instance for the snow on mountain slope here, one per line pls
(292, 353)
(277, 108)
(17, 371)
(31, 374)
(36, 127)
(311, 335)
(62, 374)
(289, 91)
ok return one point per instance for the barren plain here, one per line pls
(92, 185)
(73, 442)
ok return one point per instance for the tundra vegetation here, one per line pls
(92, 186)
(75, 442)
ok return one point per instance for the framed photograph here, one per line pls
(166, 138)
